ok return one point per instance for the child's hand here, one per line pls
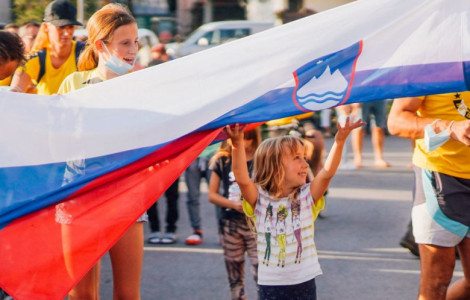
(235, 132)
(238, 206)
(344, 131)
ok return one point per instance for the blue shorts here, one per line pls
(441, 208)
(376, 108)
(305, 291)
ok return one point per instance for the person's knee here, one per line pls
(193, 200)
(437, 282)
(440, 282)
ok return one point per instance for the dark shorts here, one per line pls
(302, 291)
(376, 108)
(441, 208)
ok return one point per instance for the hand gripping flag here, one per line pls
(77, 170)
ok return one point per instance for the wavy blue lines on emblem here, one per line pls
(321, 98)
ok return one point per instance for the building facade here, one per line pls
(193, 13)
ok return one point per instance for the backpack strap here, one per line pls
(42, 64)
(79, 46)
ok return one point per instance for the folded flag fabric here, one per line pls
(93, 160)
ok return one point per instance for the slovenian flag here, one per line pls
(77, 170)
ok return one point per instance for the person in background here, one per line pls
(12, 28)
(111, 52)
(155, 236)
(285, 206)
(55, 50)
(379, 110)
(159, 55)
(342, 112)
(193, 175)
(236, 236)
(440, 126)
(28, 33)
(11, 55)
(325, 122)
(172, 214)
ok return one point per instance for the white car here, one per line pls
(216, 33)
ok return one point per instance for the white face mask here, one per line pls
(433, 140)
(117, 66)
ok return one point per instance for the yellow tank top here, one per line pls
(453, 157)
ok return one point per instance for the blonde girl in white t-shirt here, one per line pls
(278, 188)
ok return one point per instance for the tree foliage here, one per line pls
(27, 10)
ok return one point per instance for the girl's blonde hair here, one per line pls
(225, 149)
(101, 26)
(268, 172)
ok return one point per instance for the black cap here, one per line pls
(61, 13)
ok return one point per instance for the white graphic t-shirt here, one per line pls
(286, 249)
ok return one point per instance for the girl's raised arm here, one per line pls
(239, 167)
(322, 180)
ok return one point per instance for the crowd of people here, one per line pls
(263, 190)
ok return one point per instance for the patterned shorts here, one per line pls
(441, 208)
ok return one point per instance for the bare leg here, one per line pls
(126, 259)
(88, 287)
(437, 267)
(357, 141)
(460, 290)
(378, 138)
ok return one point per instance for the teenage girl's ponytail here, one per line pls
(88, 59)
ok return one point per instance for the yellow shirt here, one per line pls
(80, 80)
(453, 157)
(288, 120)
(6, 81)
(52, 78)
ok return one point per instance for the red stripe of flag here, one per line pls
(44, 254)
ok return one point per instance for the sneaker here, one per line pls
(195, 238)
(154, 238)
(168, 238)
(408, 242)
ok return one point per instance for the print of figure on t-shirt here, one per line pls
(281, 234)
(267, 233)
(295, 208)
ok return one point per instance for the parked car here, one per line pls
(215, 33)
(147, 39)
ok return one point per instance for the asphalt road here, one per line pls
(357, 240)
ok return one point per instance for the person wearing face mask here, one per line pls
(440, 124)
(111, 52)
(54, 52)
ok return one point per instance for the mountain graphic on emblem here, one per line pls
(324, 91)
